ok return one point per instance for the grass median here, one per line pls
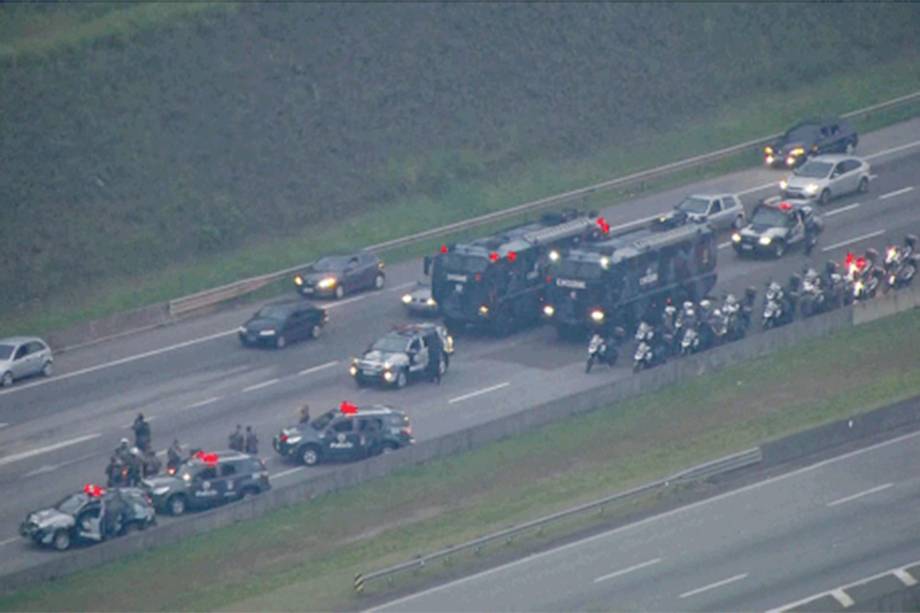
(744, 119)
(305, 556)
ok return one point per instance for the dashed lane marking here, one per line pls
(627, 570)
(259, 386)
(905, 577)
(34, 452)
(842, 597)
(396, 288)
(897, 192)
(872, 156)
(205, 402)
(9, 541)
(725, 244)
(842, 209)
(855, 239)
(759, 188)
(48, 469)
(290, 471)
(479, 392)
(858, 495)
(713, 586)
(313, 369)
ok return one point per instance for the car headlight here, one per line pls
(811, 189)
(736, 238)
(353, 370)
(790, 161)
(431, 302)
(159, 491)
(769, 159)
(327, 283)
(483, 310)
(549, 310)
(597, 315)
(765, 240)
(783, 184)
(186, 477)
(605, 262)
(406, 299)
(387, 365)
(298, 280)
(267, 333)
(554, 256)
(797, 151)
(389, 376)
(768, 150)
(449, 344)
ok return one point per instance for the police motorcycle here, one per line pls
(812, 298)
(737, 317)
(865, 274)
(689, 332)
(776, 308)
(901, 263)
(713, 326)
(649, 353)
(669, 328)
(602, 350)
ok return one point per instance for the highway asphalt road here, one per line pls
(766, 545)
(196, 382)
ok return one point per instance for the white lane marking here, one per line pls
(34, 452)
(290, 471)
(485, 390)
(905, 577)
(873, 177)
(133, 358)
(725, 244)
(855, 239)
(759, 188)
(9, 541)
(3, 425)
(653, 518)
(205, 402)
(313, 369)
(713, 586)
(842, 209)
(339, 303)
(48, 469)
(868, 492)
(259, 386)
(872, 156)
(396, 288)
(842, 597)
(627, 570)
(897, 192)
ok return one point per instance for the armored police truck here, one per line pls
(619, 280)
(497, 282)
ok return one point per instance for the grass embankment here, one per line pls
(184, 151)
(305, 556)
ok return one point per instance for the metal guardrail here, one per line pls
(708, 470)
(187, 304)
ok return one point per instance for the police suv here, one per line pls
(402, 354)
(776, 226)
(349, 433)
(208, 479)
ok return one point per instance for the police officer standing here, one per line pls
(305, 414)
(236, 439)
(141, 429)
(435, 357)
(173, 456)
(252, 442)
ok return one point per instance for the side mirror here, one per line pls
(426, 265)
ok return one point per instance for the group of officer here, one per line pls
(246, 442)
(128, 465)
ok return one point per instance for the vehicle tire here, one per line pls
(310, 455)
(388, 448)
(61, 540)
(863, 185)
(48, 369)
(248, 492)
(401, 379)
(779, 249)
(825, 197)
(280, 342)
(316, 330)
(738, 223)
(442, 367)
(176, 505)
(6, 380)
(339, 292)
(379, 281)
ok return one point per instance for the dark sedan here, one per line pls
(276, 324)
(809, 138)
(334, 276)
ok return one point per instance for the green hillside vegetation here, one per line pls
(144, 143)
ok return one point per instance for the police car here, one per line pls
(91, 515)
(402, 354)
(776, 225)
(346, 434)
(208, 479)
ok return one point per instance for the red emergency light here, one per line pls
(603, 225)
(348, 408)
(93, 490)
(207, 458)
(785, 206)
(493, 256)
(512, 256)
(444, 249)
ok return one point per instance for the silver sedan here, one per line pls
(24, 356)
(827, 176)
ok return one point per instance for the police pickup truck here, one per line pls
(349, 433)
(402, 354)
(776, 225)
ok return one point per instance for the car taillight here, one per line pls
(283, 438)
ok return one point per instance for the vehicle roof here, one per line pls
(527, 236)
(19, 340)
(710, 196)
(796, 203)
(833, 158)
(223, 456)
(631, 244)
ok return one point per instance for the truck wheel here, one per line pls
(61, 540)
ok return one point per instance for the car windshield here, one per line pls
(694, 205)
(390, 344)
(801, 134)
(814, 170)
(323, 420)
(72, 504)
(455, 262)
(6, 352)
(330, 264)
(768, 216)
(273, 312)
